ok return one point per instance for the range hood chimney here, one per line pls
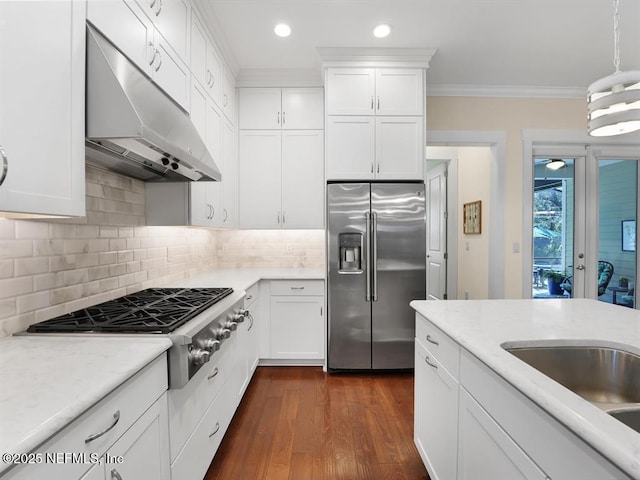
(133, 127)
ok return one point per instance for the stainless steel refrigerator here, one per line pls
(376, 266)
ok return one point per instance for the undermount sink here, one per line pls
(606, 377)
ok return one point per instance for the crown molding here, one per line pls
(252, 77)
(505, 91)
(375, 57)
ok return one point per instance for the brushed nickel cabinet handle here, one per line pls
(115, 475)
(159, 8)
(154, 51)
(5, 165)
(215, 372)
(216, 430)
(250, 322)
(378, 107)
(431, 340)
(297, 288)
(95, 436)
(160, 62)
(283, 119)
(372, 102)
(426, 359)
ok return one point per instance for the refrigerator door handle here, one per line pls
(374, 267)
(367, 217)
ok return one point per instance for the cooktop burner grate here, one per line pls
(154, 310)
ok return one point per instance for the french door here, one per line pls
(585, 204)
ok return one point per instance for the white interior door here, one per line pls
(436, 193)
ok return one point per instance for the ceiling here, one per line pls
(511, 47)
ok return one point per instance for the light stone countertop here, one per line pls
(242, 278)
(482, 326)
(48, 381)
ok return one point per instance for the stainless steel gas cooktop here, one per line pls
(154, 310)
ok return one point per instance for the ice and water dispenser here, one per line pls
(350, 252)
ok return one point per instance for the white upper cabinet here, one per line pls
(171, 18)
(42, 47)
(351, 91)
(229, 95)
(399, 92)
(375, 124)
(369, 91)
(286, 108)
(350, 147)
(206, 65)
(129, 28)
(281, 179)
(399, 148)
(259, 188)
(230, 177)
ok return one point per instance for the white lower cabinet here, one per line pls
(248, 336)
(297, 320)
(499, 433)
(130, 422)
(485, 450)
(436, 415)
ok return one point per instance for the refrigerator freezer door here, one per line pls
(349, 314)
(400, 256)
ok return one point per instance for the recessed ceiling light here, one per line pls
(282, 30)
(382, 30)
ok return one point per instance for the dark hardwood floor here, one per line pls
(298, 423)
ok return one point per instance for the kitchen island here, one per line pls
(479, 329)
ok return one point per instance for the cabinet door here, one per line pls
(302, 179)
(228, 94)
(399, 92)
(486, 450)
(303, 108)
(400, 148)
(124, 23)
(230, 176)
(350, 91)
(215, 79)
(297, 327)
(144, 448)
(350, 148)
(436, 415)
(170, 72)
(171, 17)
(42, 47)
(198, 49)
(259, 190)
(96, 473)
(260, 108)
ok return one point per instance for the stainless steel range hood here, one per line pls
(133, 127)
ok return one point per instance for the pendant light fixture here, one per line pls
(555, 164)
(613, 102)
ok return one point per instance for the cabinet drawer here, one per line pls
(300, 287)
(130, 401)
(445, 350)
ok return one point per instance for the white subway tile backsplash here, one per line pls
(55, 267)
(29, 230)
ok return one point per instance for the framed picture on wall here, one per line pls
(628, 235)
(472, 217)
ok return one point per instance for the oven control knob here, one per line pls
(199, 356)
(211, 345)
(221, 333)
(238, 316)
(230, 325)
